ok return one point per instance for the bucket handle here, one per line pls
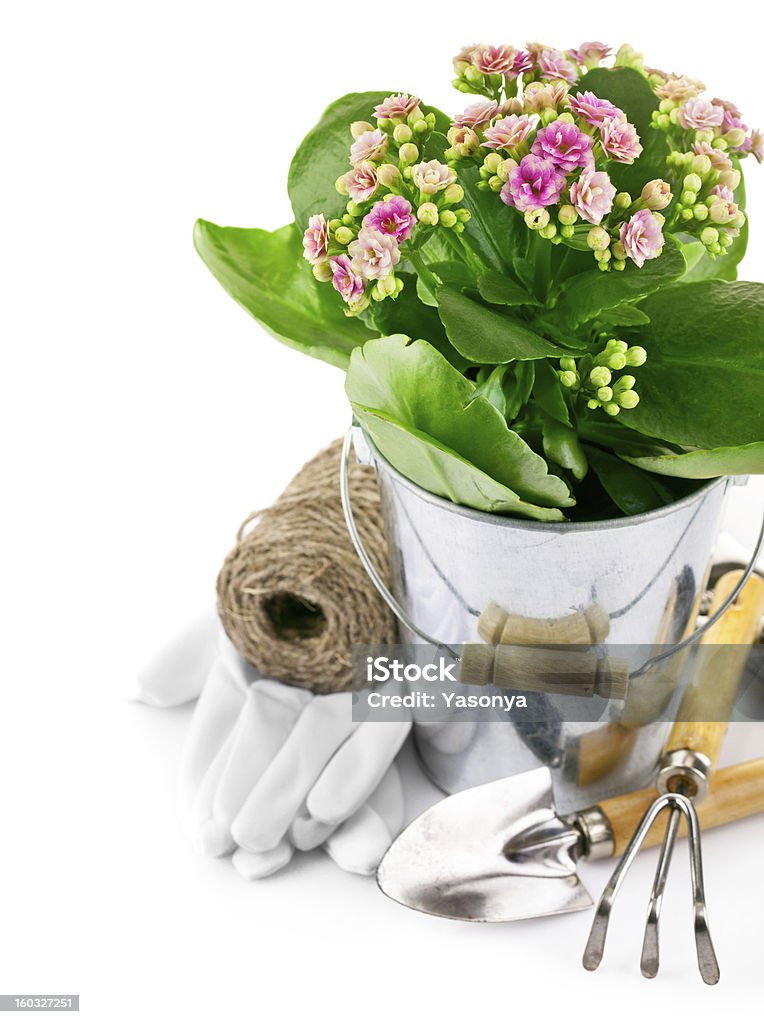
(403, 616)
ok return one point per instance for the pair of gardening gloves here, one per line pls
(267, 768)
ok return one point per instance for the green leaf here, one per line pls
(703, 382)
(549, 395)
(490, 385)
(444, 472)
(625, 316)
(414, 385)
(562, 445)
(457, 275)
(324, 154)
(266, 273)
(518, 384)
(485, 335)
(701, 465)
(496, 232)
(503, 291)
(631, 91)
(633, 490)
(586, 295)
(409, 315)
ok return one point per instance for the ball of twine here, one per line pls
(293, 596)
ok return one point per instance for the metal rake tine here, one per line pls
(595, 946)
(650, 959)
(708, 965)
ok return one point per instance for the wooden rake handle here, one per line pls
(736, 792)
(701, 722)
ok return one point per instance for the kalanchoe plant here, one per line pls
(535, 301)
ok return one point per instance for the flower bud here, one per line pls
(322, 271)
(592, 404)
(473, 76)
(700, 211)
(636, 356)
(448, 218)
(549, 231)
(567, 214)
(656, 195)
(334, 224)
(625, 383)
(463, 215)
(568, 231)
(603, 255)
(730, 178)
(701, 164)
(693, 182)
(548, 115)
(408, 153)
(354, 209)
(612, 409)
(420, 127)
(492, 162)
(709, 236)
(430, 120)
(628, 57)
(344, 235)
(402, 133)
(505, 167)
(598, 238)
(619, 251)
(341, 185)
(663, 121)
(605, 394)
(387, 174)
(385, 288)
(453, 194)
(689, 198)
(568, 378)
(464, 140)
(735, 137)
(567, 117)
(623, 200)
(567, 363)
(617, 360)
(495, 183)
(358, 128)
(537, 219)
(428, 213)
(628, 399)
(600, 376)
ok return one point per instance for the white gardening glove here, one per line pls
(269, 767)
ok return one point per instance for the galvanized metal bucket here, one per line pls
(647, 572)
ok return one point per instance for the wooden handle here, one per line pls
(586, 627)
(736, 792)
(542, 670)
(723, 652)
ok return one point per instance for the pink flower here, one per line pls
(369, 146)
(522, 63)
(719, 159)
(510, 106)
(495, 60)
(432, 176)
(477, 113)
(465, 58)
(396, 107)
(593, 109)
(700, 114)
(565, 145)
(592, 195)
(349, 284)
(591, 54)
(361, 182)
(723, 192)
(394, 217)
(509, 131)
(373, 254)
(727, 106)
(678, 88)
(756, 146)
(553, 64)
(532, 184)
(620, 140)
(315, 241)
(641, 237)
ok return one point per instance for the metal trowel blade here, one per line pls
(497, 852)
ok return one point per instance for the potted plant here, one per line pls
(537, 308)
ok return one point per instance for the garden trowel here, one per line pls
(501, 852)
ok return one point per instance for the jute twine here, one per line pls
(292, 595)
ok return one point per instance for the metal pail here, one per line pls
(647, 572)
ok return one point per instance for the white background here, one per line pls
(144, 414)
